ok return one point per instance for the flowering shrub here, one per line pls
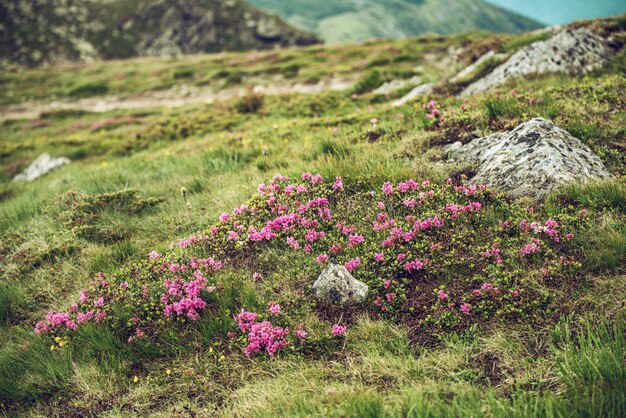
(408, 237)
(162, 292)
(484, 256)
(263, 335)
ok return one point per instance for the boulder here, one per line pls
(571, 51)
(42, 165)
(532, 160)
(336, 285)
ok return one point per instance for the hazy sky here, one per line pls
(563, 11)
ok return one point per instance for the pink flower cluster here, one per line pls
(339, 330)
(352, 264)
(531, 248)
(493, 252)
(183, 298)
(263, 335)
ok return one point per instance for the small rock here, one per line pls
(337, 285)
(470, 69)
(42, 165)
(392, 86)
(413, 94)
(531, 160)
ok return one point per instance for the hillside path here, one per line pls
(180, 96)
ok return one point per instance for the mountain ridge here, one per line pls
(360, 20)
(59, 31)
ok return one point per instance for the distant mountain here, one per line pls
(554, 12)
(34, 32)
(358, 20)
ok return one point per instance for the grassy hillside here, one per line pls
(151, 206)
(352, 20)
(60, 31)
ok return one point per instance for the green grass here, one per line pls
(127, 179)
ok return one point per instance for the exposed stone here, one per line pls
(470, 69)
(337, 285)
(416, 92)
(571, 51)
(42, 165)
(392, 86)
(531, 160)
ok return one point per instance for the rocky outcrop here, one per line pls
(42, 165)
(571, 51)
(473, 67)
(531, 160)
(34, 32)
(422, 90)
(336, 285)
(392, 86)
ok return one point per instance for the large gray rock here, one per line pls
(571, 51)
(337, 285)
(531, 160)
(42, 165)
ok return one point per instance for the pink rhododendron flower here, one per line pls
(245, 320)
(442, 295)
(338, 185)
(322, 258)
(352, 264)
(465, 308)
(301, 333)
(338, 330)
(264, 335)
(354, 240)
(273, 308)
(387, 188)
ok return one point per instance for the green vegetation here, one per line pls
(351, 20)
(549, 341)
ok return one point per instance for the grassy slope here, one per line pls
(351, 21)
(513, 368)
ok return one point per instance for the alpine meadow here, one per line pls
(251, 223)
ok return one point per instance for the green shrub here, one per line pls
(94, 88)
(182, 74)
(251, 103)
(369, 82)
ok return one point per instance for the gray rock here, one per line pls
(416, 92)
(392, 86)
(337, 285)
(470, 69)
(531, 160)
(42, 165)
(569, 51)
